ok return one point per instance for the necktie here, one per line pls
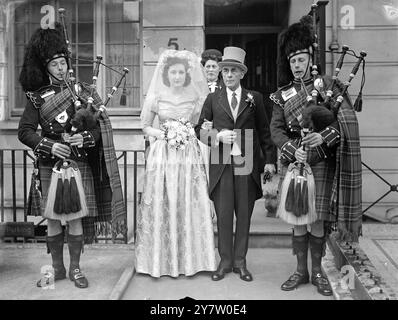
(234, 101)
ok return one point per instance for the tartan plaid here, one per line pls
(118, 213)
(109, 208)
(54, 106)
(348, 187)
(346, 193)
(323, 172)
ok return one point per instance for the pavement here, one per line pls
(380, 244)
(103, 265)
(110, 270)
(270, 268)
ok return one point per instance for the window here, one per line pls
(122, 41)
(110, 28)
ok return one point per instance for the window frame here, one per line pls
(99, 47)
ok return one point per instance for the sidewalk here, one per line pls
(270, 268)
(20, 266)
(380, 243)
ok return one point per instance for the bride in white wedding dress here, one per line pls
(174, 226)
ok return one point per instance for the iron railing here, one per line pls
(393, 187)
(123, 156)
(16, 204)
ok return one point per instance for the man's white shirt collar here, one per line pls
(238, 92)
(212, 85)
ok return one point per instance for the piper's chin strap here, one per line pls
(57, 79)
(56, 56)
(307, 51)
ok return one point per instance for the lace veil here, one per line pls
(196, 87)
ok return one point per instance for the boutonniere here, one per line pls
(250, 100)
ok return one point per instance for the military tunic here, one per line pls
(52, 131)
(286, 134)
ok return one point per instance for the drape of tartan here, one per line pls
(107, 151)
(346, 198)
(109, 210)
(54, 106)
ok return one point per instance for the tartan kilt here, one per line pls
(45, 170)
(323, 172)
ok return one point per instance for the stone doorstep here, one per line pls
(368, 283)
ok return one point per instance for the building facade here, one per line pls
(132, 34)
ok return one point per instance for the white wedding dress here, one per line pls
(174, 224)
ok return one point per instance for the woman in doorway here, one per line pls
(174, 226)
(210, 60)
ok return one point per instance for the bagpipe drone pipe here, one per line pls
(66, 195)
(297, 199)
(86, 112)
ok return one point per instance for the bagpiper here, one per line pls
(91, 196)
(333, 153)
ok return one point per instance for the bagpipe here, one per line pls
(297, 200)
(82, 104)
(66, 196)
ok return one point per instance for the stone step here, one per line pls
(266, 232)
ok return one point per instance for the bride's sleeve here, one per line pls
(149, 112)
(198, 105)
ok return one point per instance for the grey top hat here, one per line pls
(233, 56)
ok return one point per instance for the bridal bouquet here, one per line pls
(177, 133)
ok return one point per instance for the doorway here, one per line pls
(260, 59)
(253, 25)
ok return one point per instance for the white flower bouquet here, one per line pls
(177, 133)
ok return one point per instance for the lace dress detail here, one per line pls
(174, 224)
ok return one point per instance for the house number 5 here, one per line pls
(173, 42)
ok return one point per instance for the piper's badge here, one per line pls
(62, 117)
(287, 94)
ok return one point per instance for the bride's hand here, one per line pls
(160, 135)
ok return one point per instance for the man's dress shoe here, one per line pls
(294, 281)
(322, 284)
(78, 278)
(244, 274)
(220, 273)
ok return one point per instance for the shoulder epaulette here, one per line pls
(35, 98)
(276, 97)
(39, 96)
